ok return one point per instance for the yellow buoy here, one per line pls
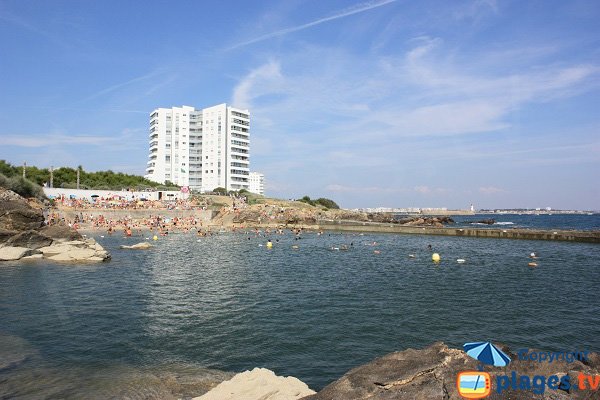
(155, 237)
(435, 257)
(269, 244)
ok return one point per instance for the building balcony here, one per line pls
(240, 151)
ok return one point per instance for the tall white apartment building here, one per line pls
(202, 149)
(256, 182)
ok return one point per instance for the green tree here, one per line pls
(327, 203)
(220, 190)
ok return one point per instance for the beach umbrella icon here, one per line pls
(487, 353)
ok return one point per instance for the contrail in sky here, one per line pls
(344, 13)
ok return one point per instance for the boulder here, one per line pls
(431, 373)
(258, 384)
(60, 232)
(6, 234)
(8, 253)
(9, 195)
(23, 235)
(137, 246)
(16, 216)
(31, 239)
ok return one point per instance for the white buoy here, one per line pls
(411, 256)
(460, 260)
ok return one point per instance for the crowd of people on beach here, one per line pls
(117, 202)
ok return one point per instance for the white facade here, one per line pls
(256, 182)
(93, 195)
(203, 149)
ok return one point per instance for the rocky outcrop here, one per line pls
(23, 235)
(488, 221)
(30, 239)
(431, 373)
(74, 250)
(426, 221)
(258, 384)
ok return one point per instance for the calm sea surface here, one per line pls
(532, 221)
(227, 303)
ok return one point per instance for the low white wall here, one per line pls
(87, 194)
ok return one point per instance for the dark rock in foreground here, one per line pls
(431, 374)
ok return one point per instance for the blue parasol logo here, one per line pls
(487, 353)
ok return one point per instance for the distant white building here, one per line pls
(256, 182)
(202, 149)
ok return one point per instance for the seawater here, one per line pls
(227, 302)
(531, 221)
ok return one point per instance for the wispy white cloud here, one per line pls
(265, 79)
(476, 9)
(121, 85)
(23, 23)
(53, 140)
(392, 121)
(61, 139)
(359, 8)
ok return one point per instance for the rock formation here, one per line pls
(431, 373)
(23, 235)
(487, 221)
(258, 384)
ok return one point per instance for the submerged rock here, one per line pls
(259, 384)
(137, 246)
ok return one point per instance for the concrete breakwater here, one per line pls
(526, 234)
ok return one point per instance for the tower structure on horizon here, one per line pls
(200, 148)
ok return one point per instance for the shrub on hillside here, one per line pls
(23, 187)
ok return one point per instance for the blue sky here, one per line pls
(376, 103)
